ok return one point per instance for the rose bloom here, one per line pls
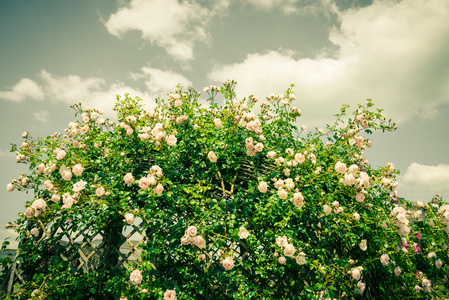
(10, 187)
(55, 198)
(301, 258)
(349, 179)
(66, 175)
(99, 191)
(283, 194)
(39, 204)
(191, 231)
(263, 187)
(144, 183)
(243, 233)
(404, 230)
(356, 216)
(361, 287)
(217, 123)
(228, 263)
(79, 186)
(77, 170)
(128, 178)
(327, 209)
(385, 259)
(438, 263)
(353, 169)
(258, 147)
(151, 180)
(340, 167)
(185, 240)
(198, 241)
(279, 183)
(129, 218)
(298, 199)
(360, 197)
(300, 158)
(67, 200)
(289, 250)
(355, 273)
(135, 277)
(271, 154)
(170, 295)
(60, 155)
(34, 231)
(281, 241)
(397, 271)
(212, 157)
(282, 260)
(171, 140)
(363, 245)
(158, 189)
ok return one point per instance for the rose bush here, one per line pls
(236, 205)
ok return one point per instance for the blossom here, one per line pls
(258, 147)
(301, 258)
(340, 167)
(129, 218)
(263, 187)
(385, 259)
(397, 271)
(60, 155)
(128, 178)
(158, 189)
(77, 169)
(10, 187)
(144, 183)
(349, 179)
(227, 263)
(431, 254)
(298, 199)
(67, 200)
(55, 198)
(363, 245)
(281, 241)
(135, 277)
(39, 204)
(282, 260)
(359, 197)
(438, 263)
(271, 154)
(283, 194)
(66, 175)
(34, 231)
(289, 250)
(217, 123)
(243, 233)
(169, 295)
(198, 241)
(355, 273)
(300, 158)
(356, 216)
(361, 287)
(99, 191)
(327, 209)
(171, 140)
(185, 240)
(212, 157)
(79, 186)
(191, 231)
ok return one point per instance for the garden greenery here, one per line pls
(236, 205)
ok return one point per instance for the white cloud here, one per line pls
(171, 24)
(25, 88)
(390, 51)
(422, 182)
(160, 82)
(41, 116)
(296, 6)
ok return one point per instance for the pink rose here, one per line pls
(10, 187)
(282, 260)
(355, 273)
(39, 204)
(79, 186)
(60, 155)
(397, 271)
(340, 167)
(128, 178)
(212, 157)
(171, 140)
(327, 209)
(129, 218)
(185, 240)
(349, 179)
(66, 175)
(77, 170)
(158, 189)
(191, 231)
(360, 197)
(34, 231)
(283, 194)
(100, 191)
(385, 259)
(227, 263)
(298, 199)
(281, 241)
(263, 187)
(55, 198)
(170, 295)
(271, 154)
(135, 277)
(217, 123)
(67, 200)
(198, 241)
(289, 250)
(258, 147)
(144, 183)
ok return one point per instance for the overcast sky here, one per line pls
(58, 52)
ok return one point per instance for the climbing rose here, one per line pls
(60, 155)
(135, 277)
(243, 233)
(100, 191)
(77, 170)
(228, 263)
(385, 259)
(170, 295)
(129, 218)
(340, 167)
(212, 157)
(128, 178)
(282, 260)
(263, 187)
(191, 231)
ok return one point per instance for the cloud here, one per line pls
(289, 7)
(41, 116)
(160, 82)
(422, 182)
(25, 88)
(394, 52)
(171, 24)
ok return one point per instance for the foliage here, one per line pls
(237, 205)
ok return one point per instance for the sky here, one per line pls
(54, 53)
